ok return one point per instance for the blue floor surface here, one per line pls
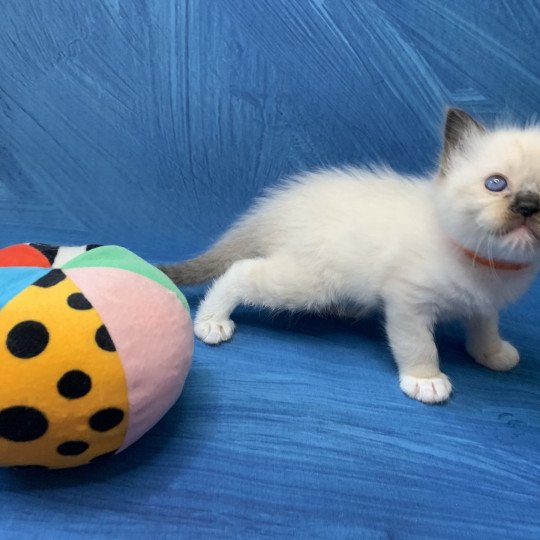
(297, 428)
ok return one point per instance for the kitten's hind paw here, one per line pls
(213, 331)
(427, 390)
(503, 359)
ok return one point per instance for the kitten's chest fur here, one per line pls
(470, 288)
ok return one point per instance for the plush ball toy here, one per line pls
(95, 346)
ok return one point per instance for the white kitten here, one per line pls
(460, 246)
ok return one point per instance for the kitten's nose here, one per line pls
(526, 203)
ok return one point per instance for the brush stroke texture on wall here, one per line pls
(124, 121)
(152, 124)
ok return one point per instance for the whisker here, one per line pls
(477, 249)
(491, 240)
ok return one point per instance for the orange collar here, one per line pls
(491, 263)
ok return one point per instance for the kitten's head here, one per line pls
(488, 188)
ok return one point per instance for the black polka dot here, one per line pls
(21, 424)
(78, 301)
(90, 247)
(104, 340)
(50, 279)
(74, 384)
(103, 456)
(72, 448)
(106, 419)
(27, 339)
(49, 251)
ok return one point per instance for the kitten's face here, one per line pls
(488, 194)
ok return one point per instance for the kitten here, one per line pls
(459, 247)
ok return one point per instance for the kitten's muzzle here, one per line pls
(526, 204)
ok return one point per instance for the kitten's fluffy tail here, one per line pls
(235, 245)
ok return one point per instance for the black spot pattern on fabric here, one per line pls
(22, 424)
(103, 456)
(78, 301)
(106, 419)
(27, 339)
(74, 384)
(51, 279)
(89, 247)
(72, 448)
(49, 251)
(104, 340)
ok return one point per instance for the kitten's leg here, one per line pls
(411, 338)
(485, 345)
(272, 282)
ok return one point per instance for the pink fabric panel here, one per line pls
(152, 333)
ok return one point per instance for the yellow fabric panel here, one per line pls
(37, 381)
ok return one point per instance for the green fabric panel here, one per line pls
(119, 257)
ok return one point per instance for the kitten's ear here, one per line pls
(458, 128)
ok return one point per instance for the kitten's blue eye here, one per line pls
(496, 183)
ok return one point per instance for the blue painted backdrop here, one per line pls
(152, 124)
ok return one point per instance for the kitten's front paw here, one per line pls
(213, 331)
(427, 390)
(504, 358)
